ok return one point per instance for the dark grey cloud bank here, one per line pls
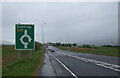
(86, 23)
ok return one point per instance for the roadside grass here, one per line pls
(110, 51)
(12, 66)
(0, 60)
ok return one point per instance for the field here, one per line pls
(111, 51)
(23, 66)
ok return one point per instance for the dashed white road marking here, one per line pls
(99, 63)
(65, 66)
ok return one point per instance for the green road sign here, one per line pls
(24, 37)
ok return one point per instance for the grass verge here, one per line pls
(12, 66)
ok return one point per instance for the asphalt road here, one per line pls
(66, 63)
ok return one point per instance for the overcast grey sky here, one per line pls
(85, 22)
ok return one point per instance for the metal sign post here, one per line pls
(24, 38)
(19, 55)
(30, 54)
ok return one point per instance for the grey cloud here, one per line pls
(94, 23)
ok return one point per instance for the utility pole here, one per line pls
(43, 36)
(68, 39)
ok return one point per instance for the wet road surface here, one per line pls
(66, 63)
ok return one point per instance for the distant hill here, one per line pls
(6, 43)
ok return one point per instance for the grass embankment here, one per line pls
(12, 66)
(111, 51)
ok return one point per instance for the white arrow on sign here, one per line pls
(25, 35)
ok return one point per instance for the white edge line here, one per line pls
(65, 67)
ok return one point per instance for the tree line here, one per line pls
(75, 45)
(63, 44)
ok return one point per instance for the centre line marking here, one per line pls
(99, 63)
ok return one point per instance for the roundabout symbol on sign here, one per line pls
(25, 35)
